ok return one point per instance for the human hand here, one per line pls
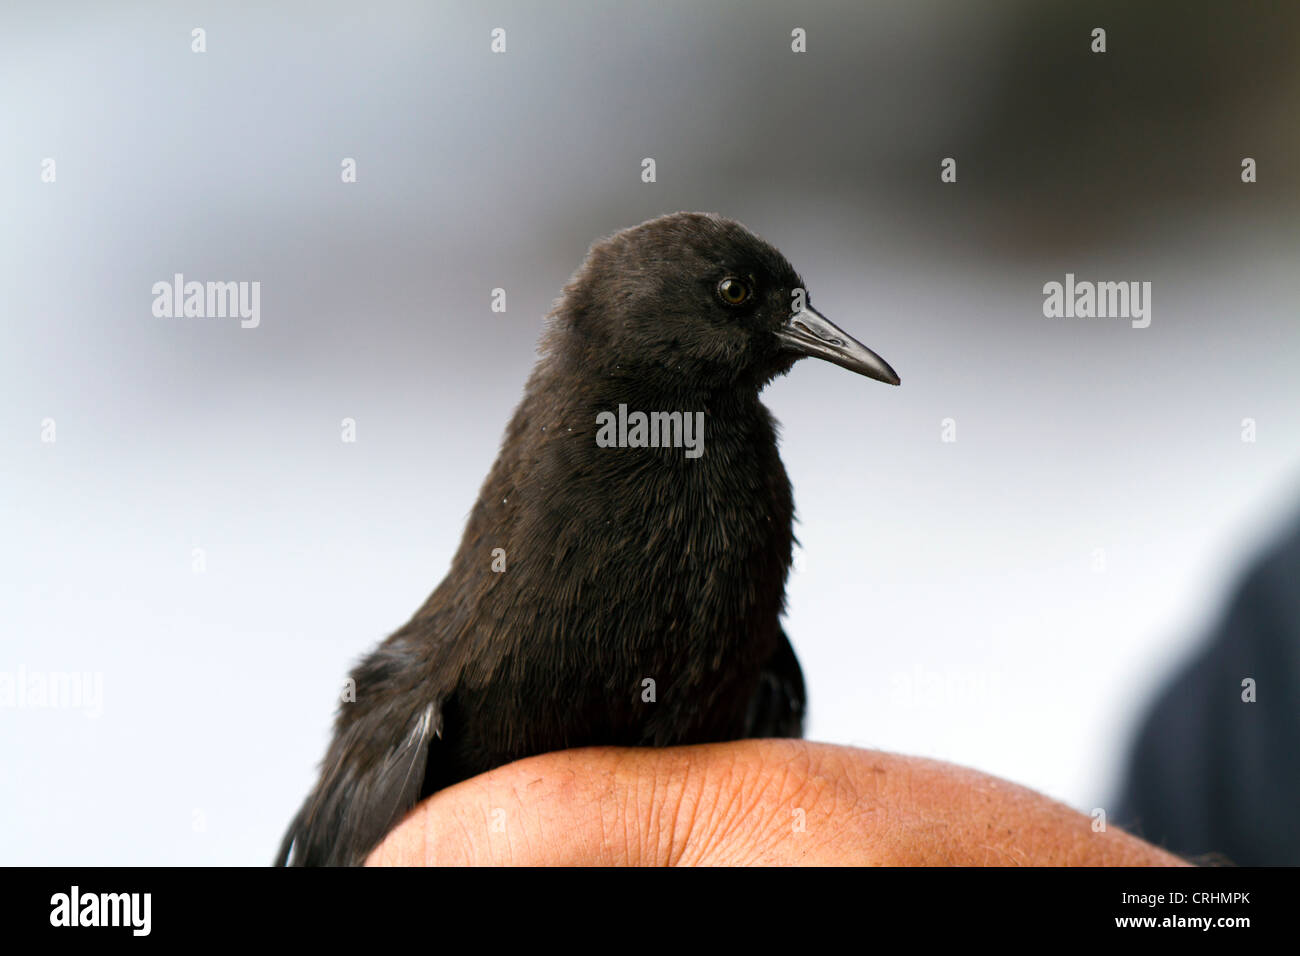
(750, 802)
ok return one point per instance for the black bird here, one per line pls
(604, 595)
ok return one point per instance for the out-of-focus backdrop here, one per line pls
(181, 520)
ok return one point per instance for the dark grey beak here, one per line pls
(808, 332)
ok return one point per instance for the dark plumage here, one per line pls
(622, 564)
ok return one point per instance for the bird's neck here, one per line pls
(688, 428)
(728, 416)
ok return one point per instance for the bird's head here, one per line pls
(699, 299)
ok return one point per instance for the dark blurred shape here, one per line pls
(1212, 777)
(1107, 142)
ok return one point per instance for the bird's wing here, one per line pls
(777, 707)
(368, 784)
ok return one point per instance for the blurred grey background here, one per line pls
(1021, 591)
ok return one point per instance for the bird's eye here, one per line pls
(733, 291)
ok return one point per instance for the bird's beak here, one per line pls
(808, 332)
